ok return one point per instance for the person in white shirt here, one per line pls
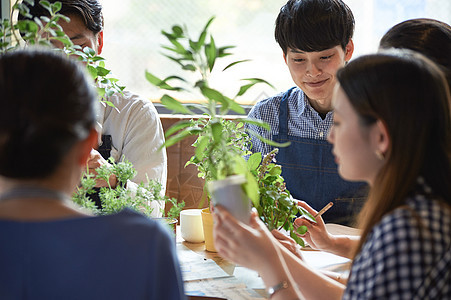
(132, 129)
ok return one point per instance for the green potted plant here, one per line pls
(115, 199)
(221, 143)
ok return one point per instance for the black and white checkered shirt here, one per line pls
(407, 255)
(303, 120)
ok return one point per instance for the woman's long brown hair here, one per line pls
(410, 95)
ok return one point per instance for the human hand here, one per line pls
(287, 242)
(246, 245)
(96, 160)
(317, 235)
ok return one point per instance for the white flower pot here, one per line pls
(230, 194)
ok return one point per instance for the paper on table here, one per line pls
(249, 277)
(228, 288)
(323, 260)
(195, 267)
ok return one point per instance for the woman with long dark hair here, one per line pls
(392, 129)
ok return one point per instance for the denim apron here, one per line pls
(311, 174)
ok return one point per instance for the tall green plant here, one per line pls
(221, 143)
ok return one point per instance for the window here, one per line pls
(133, 38)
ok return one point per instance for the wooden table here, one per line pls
(208, 276)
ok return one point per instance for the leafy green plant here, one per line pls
(45, 31)
(221, 143)
(115, 199)
(276, 207)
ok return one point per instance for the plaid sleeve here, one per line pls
(401, 256)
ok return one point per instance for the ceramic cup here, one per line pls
(191, 225)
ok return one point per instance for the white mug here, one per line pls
(191, 225)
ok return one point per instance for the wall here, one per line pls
(183, 183)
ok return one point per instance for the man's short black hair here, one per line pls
(314, 25)
(90, 12)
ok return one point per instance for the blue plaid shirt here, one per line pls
(303, 120)
(407, 255)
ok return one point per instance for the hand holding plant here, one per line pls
(115, 199)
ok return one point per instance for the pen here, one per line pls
(324, 209)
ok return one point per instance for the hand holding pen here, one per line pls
(317, 235)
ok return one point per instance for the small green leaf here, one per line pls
(213, 94)
(102, 71)
(203, 34)
(306, 214)
(267, 141)
(235, 106)
(253, 81)
(297, 239)
(235, 63)
(254, 161)
(216, 129)
(56, 7)
(92, 71)
(174, 105)
(256, 122)
(211, 53)
(90, 52)
(252, 189)
(222, 51)
(65, 18)
(302, 229)
(176, 127)
(200, 148)
(162, 83)
(180, 136)
(189, 67)
(27, 26)
(177, 30)
(46, 5)
(276, 170)
(66, 42)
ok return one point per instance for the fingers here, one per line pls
(301, 221)
(278, 235)
(95, 160)
(227, 221)
(307, 207)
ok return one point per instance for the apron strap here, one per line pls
(283, 114)
(106, 146)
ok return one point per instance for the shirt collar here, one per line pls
(304, 106)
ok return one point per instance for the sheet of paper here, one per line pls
(249, 277)
(227, 288)
(195, 267)
(323, 260)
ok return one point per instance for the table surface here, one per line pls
(208, 276)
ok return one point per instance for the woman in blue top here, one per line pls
(49, 248)
(392, 129)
